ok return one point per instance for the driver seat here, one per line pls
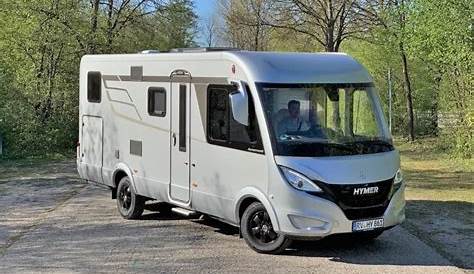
(279, 116)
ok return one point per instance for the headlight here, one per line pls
(299, 181)
(398, 177)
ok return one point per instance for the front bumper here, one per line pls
(315, 217)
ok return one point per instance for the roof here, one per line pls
(277, 67)
(269, 67)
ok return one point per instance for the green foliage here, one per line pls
(438, 40)
(42, 43)
(442, 33)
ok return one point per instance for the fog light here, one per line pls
(305, 223)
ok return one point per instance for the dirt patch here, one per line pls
(447, 226)
(27, 196)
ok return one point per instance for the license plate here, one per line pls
(367, 224)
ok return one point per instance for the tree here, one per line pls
(178, 23)
(392, 16)
(328, 22)
(122, 13)
(442, 32)
(210, 31)
(244, 27)
(42, 43)
(402, 14)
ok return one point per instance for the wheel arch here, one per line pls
(249, 195)
(121, 170)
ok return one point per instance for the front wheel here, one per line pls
(257, 230)
(130, 205)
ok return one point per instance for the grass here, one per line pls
(440, 199)
(9, 161)
(432, 175)
(26, 167)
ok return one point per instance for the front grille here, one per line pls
(359, 206)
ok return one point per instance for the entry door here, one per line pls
(180, 136)
(91, 148)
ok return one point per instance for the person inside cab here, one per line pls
(293, 122)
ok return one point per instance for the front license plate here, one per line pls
(367, 224)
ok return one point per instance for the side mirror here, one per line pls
(240, 105)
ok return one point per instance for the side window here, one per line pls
(364, 122)
(218, 114)
(223, 129)
(157, 102)
(94, 86)
(245, 134)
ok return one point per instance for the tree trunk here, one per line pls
(110, 11)
(330, 45)
(408, 93)
(92, 46)
(336, 115)
(256, 38)
(348, 113)
(435, 108)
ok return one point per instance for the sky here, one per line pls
(204, 9)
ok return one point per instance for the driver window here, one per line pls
(317, 111)
(222, 129)
(335, 100)
(218, 116)
(363, 121)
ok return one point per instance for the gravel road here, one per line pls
(59, 225)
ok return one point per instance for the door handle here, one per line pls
(174, 139)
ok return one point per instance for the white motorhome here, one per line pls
(282, 145)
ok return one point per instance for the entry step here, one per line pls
(185, 212)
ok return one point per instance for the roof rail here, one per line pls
(203, 49)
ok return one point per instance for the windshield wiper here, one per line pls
(376, 142)
(342, 146)
(346, 147)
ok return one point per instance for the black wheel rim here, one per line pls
(261, 229)
(125, 197)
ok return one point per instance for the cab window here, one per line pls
(222, 129)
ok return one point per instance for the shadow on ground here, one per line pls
(386, 250)
(447, 226)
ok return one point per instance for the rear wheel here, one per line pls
(257, 230)
(129, 204)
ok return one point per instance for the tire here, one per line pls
(257, 231)
(130, 205)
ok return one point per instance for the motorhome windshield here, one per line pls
(323, 120)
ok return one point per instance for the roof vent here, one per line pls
(206, 49)
(149, 51)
